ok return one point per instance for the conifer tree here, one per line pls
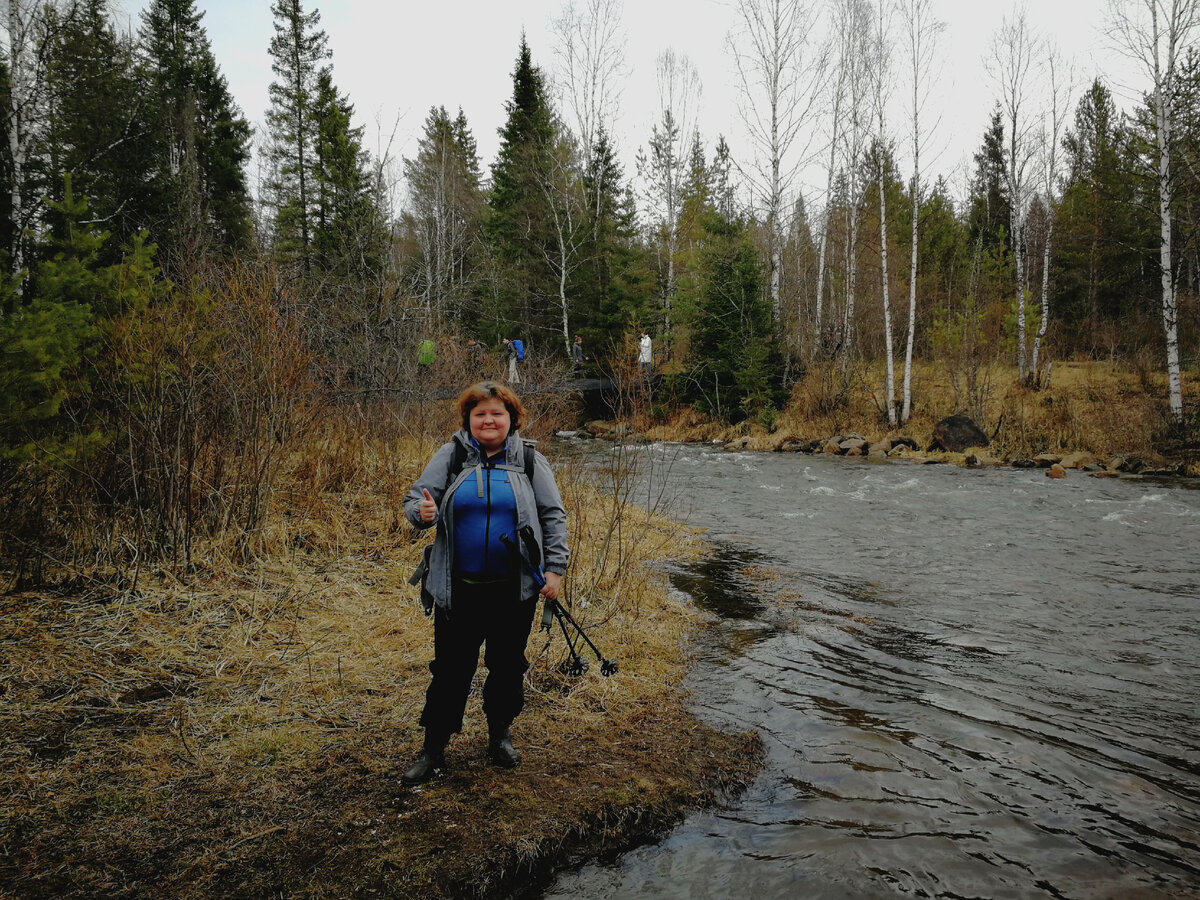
(1098, 278)
(988, 216)
(444, 214)
(197, 199)
(518, 224)
(614, 282)
(96, 124)
(347, 231)
(49, 364)
(736, 365)
(297, 49)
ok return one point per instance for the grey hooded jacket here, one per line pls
(539, 505)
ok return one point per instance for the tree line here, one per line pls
(159, 316)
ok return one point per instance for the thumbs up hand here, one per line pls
(428, 507)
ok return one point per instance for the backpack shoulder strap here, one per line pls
(530, 458)
(460, 459)
(456, 462)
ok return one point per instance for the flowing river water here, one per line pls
(970, 683)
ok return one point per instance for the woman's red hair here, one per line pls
(491, 390)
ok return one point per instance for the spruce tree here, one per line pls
(348, 230)
(96, 128)
(736, 365)
(613, 285)
(197, 199)
(49, 371)
(1097, 271)
(443, 220)
(297, 49)
(517, 224)
(988, 216)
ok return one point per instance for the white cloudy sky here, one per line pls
(397, 59)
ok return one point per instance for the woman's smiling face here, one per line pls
(490, 422)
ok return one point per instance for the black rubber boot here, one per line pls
(429, 761)
(501, 750)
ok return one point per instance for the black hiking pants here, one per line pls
(488, 615)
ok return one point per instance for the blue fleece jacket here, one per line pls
(484, 508)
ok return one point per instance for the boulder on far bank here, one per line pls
(957, 433)
(1079, 460)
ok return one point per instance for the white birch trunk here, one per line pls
(17, 142)
(1018, 239)
(562, 293)
(890, 380)
(1060, 100)
(906, 409)
(828, 220)
(922, 30)
(1162, 101)
(881, 91)
(775, 242)
(1041, 332)
(851, 280)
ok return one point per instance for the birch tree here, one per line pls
(1156, 34)
(836, 97)
(881, 60)
(856, 59)
(26, 51)
(1013, 51)
(562, 189)
(921, 33)
(1053, 126)
(780, 75)
(590, 51)
(664, 168)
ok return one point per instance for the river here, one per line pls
(970, 683)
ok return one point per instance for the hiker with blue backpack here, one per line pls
(514, 351)
(495, 504)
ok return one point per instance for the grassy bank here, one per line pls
(1099, 408)
(238, 729)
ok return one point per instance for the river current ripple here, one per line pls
(970, 683)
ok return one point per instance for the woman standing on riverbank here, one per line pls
(488, 492)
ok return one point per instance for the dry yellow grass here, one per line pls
(1098, 407)
(239, 730)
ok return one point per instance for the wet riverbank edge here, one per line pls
(241, 732)
(853, 445)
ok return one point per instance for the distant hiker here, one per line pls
(482, 488)
(514, 352)
(425, 354)
(476, 351)
(645, 355)
(577, 357)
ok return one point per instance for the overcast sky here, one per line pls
(397, 59)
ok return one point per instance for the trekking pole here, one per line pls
(579, 665)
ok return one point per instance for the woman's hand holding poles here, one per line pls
(550, 588)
